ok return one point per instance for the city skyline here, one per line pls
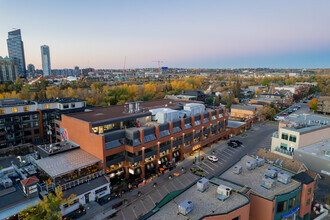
(211, 34)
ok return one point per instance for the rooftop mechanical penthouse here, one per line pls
(137, 140)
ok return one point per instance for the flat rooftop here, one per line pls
(204, 203)
(305, 122)
(59, 147)
(253, 179)
(319, 149)
(60, 100)
(66, 162)
(235, 124)
(121, 111)
(244, 107)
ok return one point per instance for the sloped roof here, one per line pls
(303, 178)
(30, 180)
(287, 163)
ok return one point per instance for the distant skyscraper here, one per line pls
(31, 69)
(45, 57)
(16, 49)
(8, 70)
(76, 70)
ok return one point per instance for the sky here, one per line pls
(181, 33)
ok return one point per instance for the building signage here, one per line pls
(197, 147)
(131, 171)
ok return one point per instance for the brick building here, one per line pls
(135, 140)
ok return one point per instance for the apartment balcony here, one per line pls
(283, 151)
(275, 134)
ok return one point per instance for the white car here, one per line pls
(212, 158)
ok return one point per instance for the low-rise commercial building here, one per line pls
(298, 131)
(316, 157)
(135, 140)
(243, 112)
(253, 188)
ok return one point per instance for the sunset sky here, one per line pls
(182, 33)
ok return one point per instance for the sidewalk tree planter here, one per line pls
(125, 201)
(182, 168)
(202, 175)
(139, 193)
(201, 170)
(155, 184)
(170, 176)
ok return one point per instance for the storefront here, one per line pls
(150, 169)
(116, 176)
(176, 156)
(134, 173)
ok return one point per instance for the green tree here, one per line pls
(267, 112)
(265, 81)
(18, 85)
(48, 208)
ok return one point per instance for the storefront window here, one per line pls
(281, 206)
(149, 159)
(292, 202)
(114, 167)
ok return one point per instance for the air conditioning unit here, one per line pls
(185, 207)
(203, 184)
(237, 169)
(268, 183)
(271, 173)
(250, 165)
(224, 192)
(283, 178)
(260, 162)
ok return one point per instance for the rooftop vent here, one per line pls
(224, 192)
(271, 173)
(237, 169)
(268, 183)
(250, 165)
(185, 207)
(283, 178)
(203, 184)
(130, 108)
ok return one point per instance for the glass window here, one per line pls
(292, 202)
(2, 111)
(47, 106)
(284, 136)
(73, 105)
(309, 191)
(14, 109)
(284, 146)
(26, 109)
(281, 206)
(293, 138)
(66, 106)
(308, 201)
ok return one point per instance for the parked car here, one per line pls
(212, 158)
(232, 144)
(290, 111)
(285, 113)
(305, 101)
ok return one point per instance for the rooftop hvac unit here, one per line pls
(260, 162)
(194, 108)
(250, 165)
(203, 184)
(271, 173)
(224, 192)
(237, 169)
(268, 183)
(7, 182)
(185, 207)
(283, 178)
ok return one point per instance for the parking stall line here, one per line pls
(151, 200)
(232, 149)
(179, 181)
(203, 169)
(208, 166)
(134, 212)
(122, 214)
(143, 206)
(211, 163)
(185, 177)
(224, 152)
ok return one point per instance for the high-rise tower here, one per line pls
(45, 57)
(16, 49)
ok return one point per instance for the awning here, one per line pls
(66, 162)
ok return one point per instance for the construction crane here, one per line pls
(159, 62)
